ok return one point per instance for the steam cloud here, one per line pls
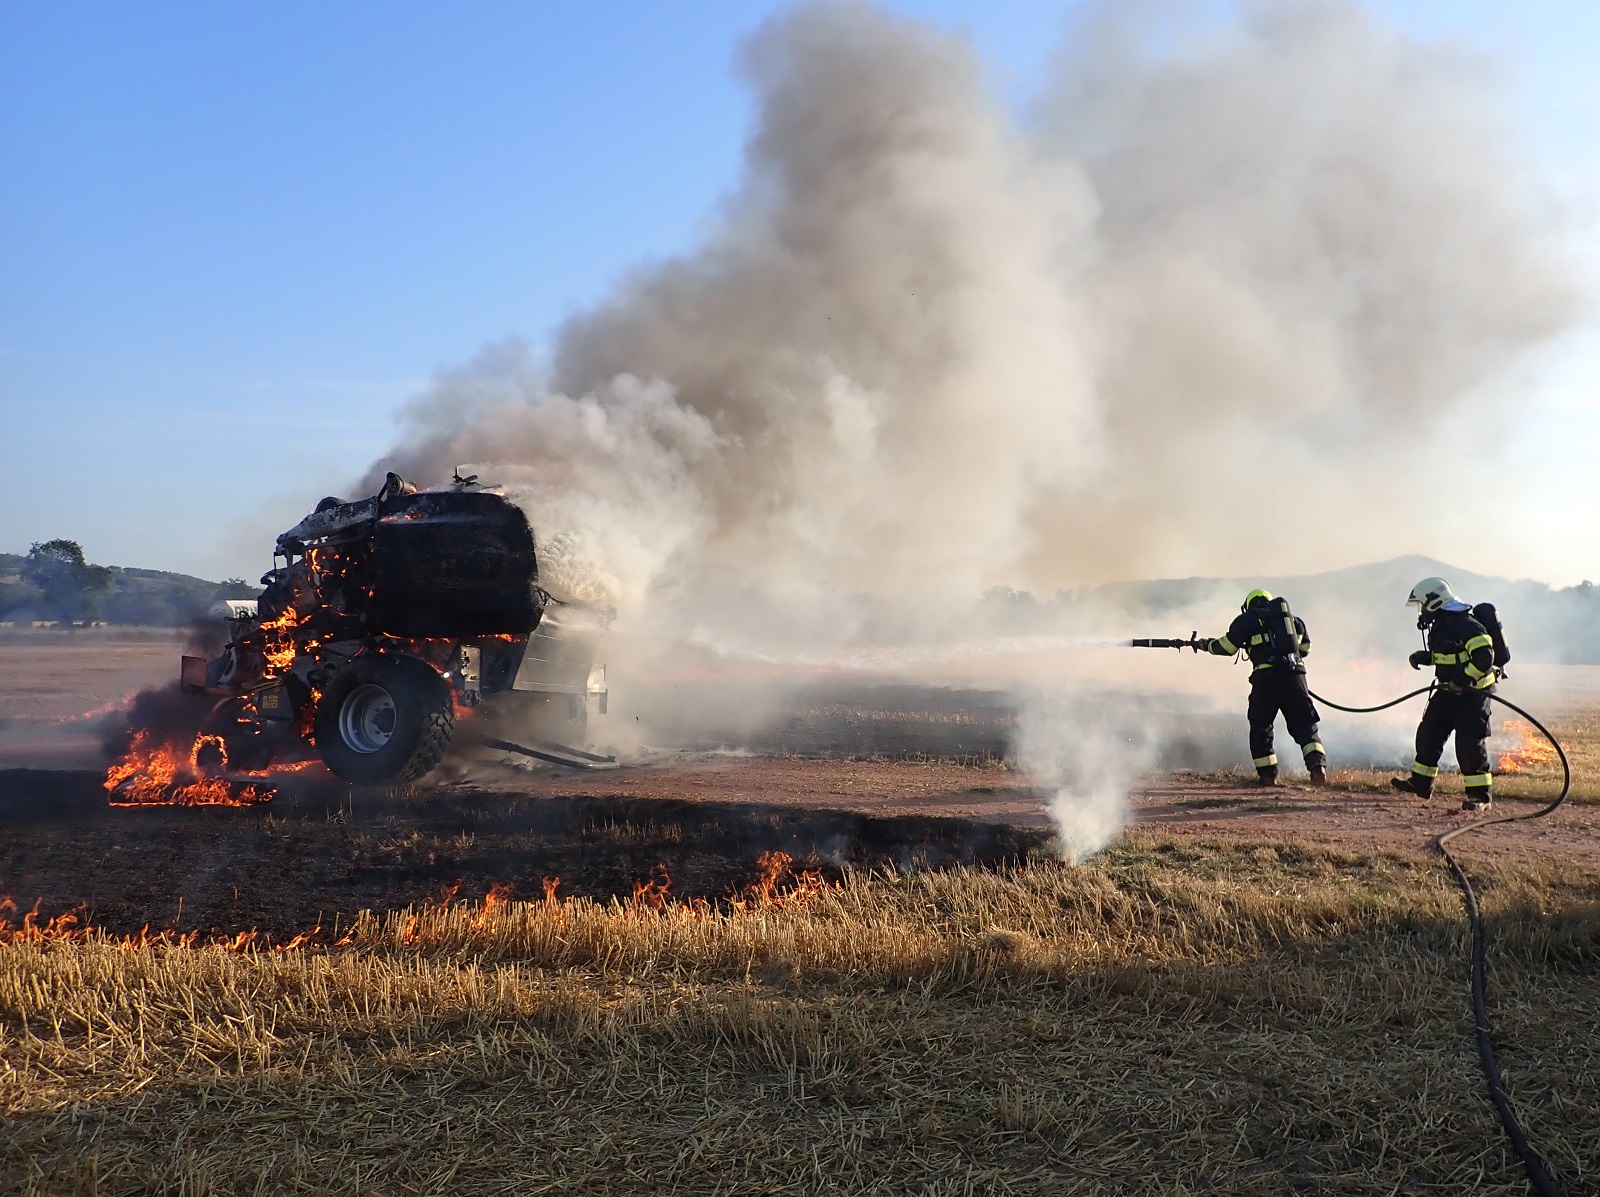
(1090, 762)
(1201, 302)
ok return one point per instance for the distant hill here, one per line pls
(146, 597)
(1353, 612)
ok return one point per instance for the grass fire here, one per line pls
(1037, 1027)
(1532, 750)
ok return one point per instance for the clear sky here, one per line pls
(234, 239)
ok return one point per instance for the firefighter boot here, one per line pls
(1316, 761)
(1416, 784)
(1478, 798)
(1267, 775)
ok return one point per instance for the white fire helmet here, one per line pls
(1430, 595)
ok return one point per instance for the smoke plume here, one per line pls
(1203, 299)
(1214, 305)
(1090, 759)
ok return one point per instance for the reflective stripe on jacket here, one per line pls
(1249, 632)
(1463, 652)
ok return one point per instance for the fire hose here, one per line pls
(1538, 1175)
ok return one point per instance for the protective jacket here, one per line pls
(1251, 632)
(1462, 650)
(1275, 639)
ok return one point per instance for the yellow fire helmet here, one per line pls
(1253, 596)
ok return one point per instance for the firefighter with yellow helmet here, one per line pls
(1464, 657)
(1276, 641)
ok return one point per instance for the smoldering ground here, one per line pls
(320, 853)
(1196, 311)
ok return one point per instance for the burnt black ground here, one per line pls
(320, 853)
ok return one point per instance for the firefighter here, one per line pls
(1462, 654)
(1275, 640)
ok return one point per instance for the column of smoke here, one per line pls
(1089, 761)
(1201, 309)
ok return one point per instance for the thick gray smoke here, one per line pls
(1204, 300)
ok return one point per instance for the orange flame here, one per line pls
(764, 892)
(651, 894)
(152, 774)
(278, 647)
(305, 939)
(70, 928)
(1532, 749)
(63, 927)
(499, 894)
(276, 768)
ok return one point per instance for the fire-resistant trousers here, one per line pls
(1275, 690)
(1467, 716)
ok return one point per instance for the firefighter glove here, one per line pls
(1420, 658)
(1203, 645)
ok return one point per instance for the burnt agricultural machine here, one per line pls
(384, 621)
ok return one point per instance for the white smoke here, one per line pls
(1090, 760)
(929, 349)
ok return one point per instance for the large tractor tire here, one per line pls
(384, 720)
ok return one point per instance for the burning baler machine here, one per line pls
(385, 619)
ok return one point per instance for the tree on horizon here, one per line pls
(68, 586)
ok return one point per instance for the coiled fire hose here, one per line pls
(1538, 1175)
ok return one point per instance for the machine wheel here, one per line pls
(384, 720)
(233, 740)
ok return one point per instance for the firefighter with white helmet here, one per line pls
(1464, 655)
(1276, 641)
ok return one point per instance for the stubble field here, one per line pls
(838, 973)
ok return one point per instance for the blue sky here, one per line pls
(234, 239)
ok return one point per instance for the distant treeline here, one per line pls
(54, 582)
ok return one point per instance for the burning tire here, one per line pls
(232, 740)
(384, 720)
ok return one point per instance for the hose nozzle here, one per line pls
(1193, 642)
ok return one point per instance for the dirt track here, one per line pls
(1177, 803)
